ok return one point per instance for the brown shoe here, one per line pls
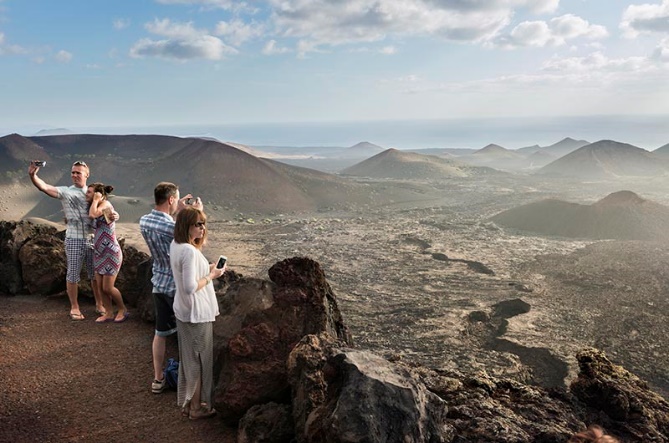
(202, 412)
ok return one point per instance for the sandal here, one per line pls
(185, 410)
(202, 412)
(76, 317)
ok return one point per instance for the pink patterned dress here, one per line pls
(107, 257)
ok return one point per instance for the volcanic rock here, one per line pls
(260, 323)
(13, 235)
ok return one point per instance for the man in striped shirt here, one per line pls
(157, 228)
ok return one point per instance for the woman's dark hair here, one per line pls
(186, 218)
(103, 189)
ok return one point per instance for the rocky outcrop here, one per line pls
(621, 400)
(349, 395)
(134, 278)
(267, 423)
(343, 394)
(13, 235)
(259, 325)
(43, 264)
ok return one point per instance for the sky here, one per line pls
(93, 63)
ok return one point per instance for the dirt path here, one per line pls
(65, 381)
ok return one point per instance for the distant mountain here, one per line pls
(56, 131)
(662, 151)
(554, 151)
(444, 152)
(528, 150)
(497, 157)
(493, 151)
(538, 159)
(607, 159)
(364, 149)
(622, 215)
(396, 164)
(564, 147)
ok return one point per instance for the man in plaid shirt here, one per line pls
(157, 228)
(78, 246)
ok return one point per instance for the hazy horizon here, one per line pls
(647, 132)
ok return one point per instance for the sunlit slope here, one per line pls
(622, 215)
(607, 159)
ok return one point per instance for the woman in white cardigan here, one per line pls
(195, 308)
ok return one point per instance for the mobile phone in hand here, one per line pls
(221, 261)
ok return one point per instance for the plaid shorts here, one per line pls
(78, 252)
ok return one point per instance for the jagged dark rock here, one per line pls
(348, 395)
(268, 423)
(623, 401)
(259, 325)
(13, 235)
(43, 264)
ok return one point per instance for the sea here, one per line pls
(648, 132)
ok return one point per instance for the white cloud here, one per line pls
(305, 46)
(645, 18)
(661, 52)
(570, 26)
(184, 42)
(203, 47)
(598, 62)
(227, 5)
(542, 6)
(535, 34)
(8, 49)
(556, 32)
(271, 48)
(388, 50)
(121, 23)
(222, 4)
(63, 56)
(167, 28)
(237, 32)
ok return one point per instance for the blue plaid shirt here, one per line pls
(158, 231)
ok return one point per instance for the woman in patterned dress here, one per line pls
(107, 255)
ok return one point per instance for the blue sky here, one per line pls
(79, 63)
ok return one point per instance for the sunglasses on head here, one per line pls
(79, 163)
(201, 224)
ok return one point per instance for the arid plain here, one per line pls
(421, 269)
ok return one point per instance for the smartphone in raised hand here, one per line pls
(221, 262)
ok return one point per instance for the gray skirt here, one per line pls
(196, 355)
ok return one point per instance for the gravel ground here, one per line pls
(66, 381)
